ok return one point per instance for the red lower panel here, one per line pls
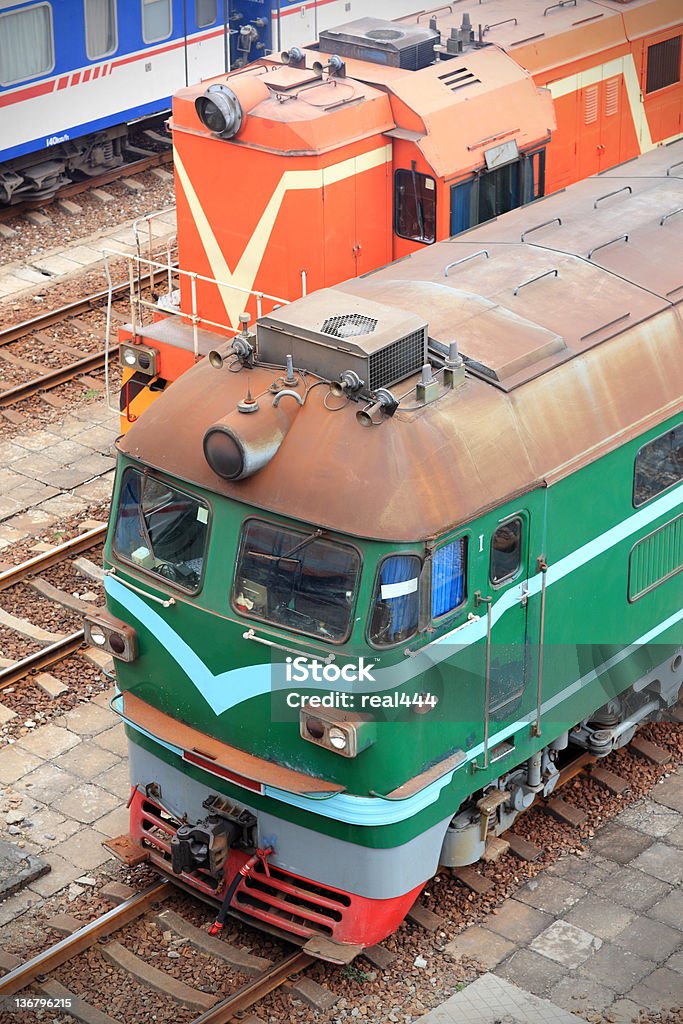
(277, 898)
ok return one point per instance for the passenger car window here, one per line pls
(26, 44)
(156, 20)
(100, 28)
(161, 529)
(449, 577)
(295, 579)
(415, 206)
(659, 465)
(506, 551)
(396, 602)
(205, 12)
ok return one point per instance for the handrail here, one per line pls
(561, 3)
(539, 277)
(672, 214)
(624, 188)
(603, 245)
(497, 24)
(464, 259)
(670, 169)
(537, 227)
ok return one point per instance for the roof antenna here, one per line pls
(248, 404)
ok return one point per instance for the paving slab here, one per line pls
(662, 989)
(116, 780)
(602, 918)
(62, 873)
(661, 861)
(18, 868)
(49, 741)
(624, 1011)
(669, 910)
(566, 944)
(115, 823)
(113, 739)
(531, 971)
(581, 995)
(553, 895)
(45, 783)
(654, 938)
(88, 719)
(588, 871)
(517, 922)
(15, 762)
(617, 842)
(634, 889)
(670, 792)
(56, 265)
(86, 803)
(47, 828)
(15, 906)
(480, 944)
(650, 817)
(675, 962)
(616, 968)
(88, 761)
(84, 849)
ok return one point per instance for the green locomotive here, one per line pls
(374, 564)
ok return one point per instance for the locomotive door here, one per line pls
(509, 647)
(598, 130)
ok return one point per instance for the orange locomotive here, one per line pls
(298, 172)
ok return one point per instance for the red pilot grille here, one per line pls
(290, 903)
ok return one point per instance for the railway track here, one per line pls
(53, 377)
(219, 1010)
(27, 570)
(139, 166)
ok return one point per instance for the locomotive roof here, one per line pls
(531, 30)
(568, 357)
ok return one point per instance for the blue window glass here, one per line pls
(449, 577)
(396, 604)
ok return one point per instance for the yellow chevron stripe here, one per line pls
(610, 69)
(245, 272)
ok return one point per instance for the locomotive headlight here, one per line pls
(139, 357)
(337, 731)
(338, 738)
(220, 111)
(109, 634)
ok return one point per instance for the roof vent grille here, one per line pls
(349, 325)
(397, 361)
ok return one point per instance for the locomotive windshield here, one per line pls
(294, 579)
(161, 529)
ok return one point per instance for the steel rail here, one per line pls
(46, 559)
(55, 316)
(54, 378)
(255, 990)
(47, 656)
(82, 939)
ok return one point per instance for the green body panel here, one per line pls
(588, 622)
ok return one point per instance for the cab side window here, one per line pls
(396, 603)
(659, 465)
(415, 206)
(449, 577)
(506, 551)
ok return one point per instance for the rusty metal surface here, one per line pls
(584, 359)
(85, 937)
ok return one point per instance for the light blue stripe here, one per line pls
(234, 686)
(374, 811)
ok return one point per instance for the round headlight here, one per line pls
(220, 111)
(224, 453)
(98, 637)
(129, 357)
(337, 738)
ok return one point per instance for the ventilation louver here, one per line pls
(381, 344)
